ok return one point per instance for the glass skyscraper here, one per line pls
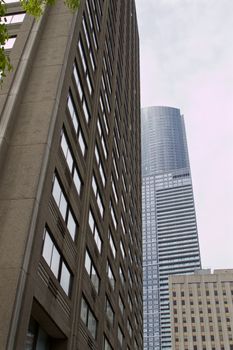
(170, 238)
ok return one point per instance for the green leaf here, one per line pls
(34, 8)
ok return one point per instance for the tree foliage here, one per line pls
(32, 7)
(4, 59)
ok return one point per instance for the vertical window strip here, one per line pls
(91, 270)
(109, 311)
(76, 126)
(97, 196)
(100, 166)
(110, 275)
(64, 207)
(88, 318)
(70, 162)
(112, 244)
(56, 263)
(95, 231)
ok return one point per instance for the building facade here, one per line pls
(202, 310)
(70, 186)
(170, 238)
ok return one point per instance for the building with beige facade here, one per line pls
(70, 184)
(201, 307)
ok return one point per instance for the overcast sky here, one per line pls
(187, 62)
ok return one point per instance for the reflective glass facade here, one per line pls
(170, 239)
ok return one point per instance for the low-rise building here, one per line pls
(201, 307)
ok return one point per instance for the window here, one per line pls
(130, 278)
(86, 32)
(113, 215)
(100, 165)
(123, 203)
(97, 196)
(13, 18)
(89, 16)
(130, 303)
(9, 43)
(105, 122)
(80, 88)
(64, 207)
(115, 167)
(70, 162)
(91, 270)
(95, 231)
(112, 244)
(83, 57)
(121, 304)
(37, 337)
(56, 262)
(116, 147)
(76, 126)
(129, 327)
(120, 335)
(114, 190)
(110, 276)
(122, 277)
(88, 318)
(122, 249)
(101, 134)
(107, 345)
(109, 311)
(78, 81)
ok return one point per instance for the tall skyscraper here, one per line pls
(70, 186)
(170, 239)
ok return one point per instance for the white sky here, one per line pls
(187, 62)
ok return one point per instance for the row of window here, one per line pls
(90, 321)
(60, 269)
(207, 292)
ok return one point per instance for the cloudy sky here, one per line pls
(187, 62)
